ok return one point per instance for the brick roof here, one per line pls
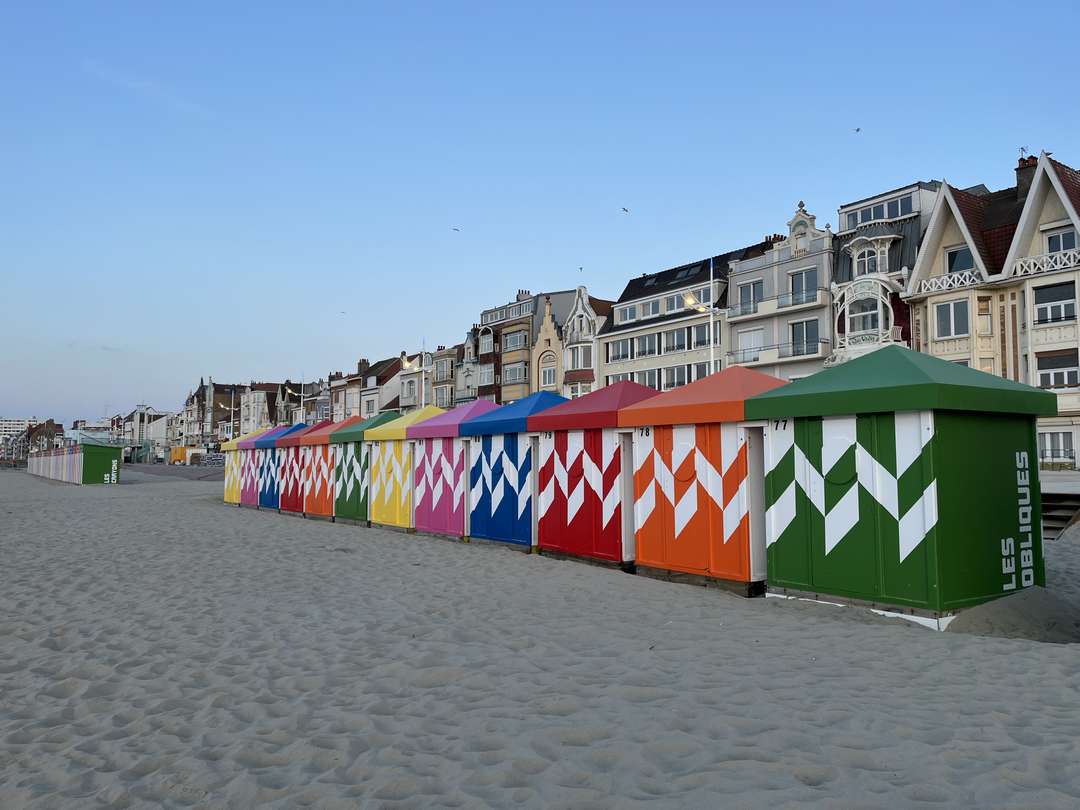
(991, 220)
(1070, 179)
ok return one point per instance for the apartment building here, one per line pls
(779, 314)
(564, 355)
(445, 361)
(873, 256)
(467, 368)
(995, 288)
(416, 381)
(659, 334)
(206, 407)
(506, 338)
(381, 389)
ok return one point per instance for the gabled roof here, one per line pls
(355, 433)
(321, 435)
(720, 397)
(446, 425)
(512, 418)
(899, 379)
(232, 445)
(295, 437)
(1065, 183)
(395, 429)
(598, 409)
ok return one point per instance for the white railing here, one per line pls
(951, 281)
(1047, 262)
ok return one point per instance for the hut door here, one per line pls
(755, 481)
(626, 496)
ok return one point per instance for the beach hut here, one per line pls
(439, 476)
(579, 475)
(352, 473)
(267, 461)
(392, 468)
(319, 461)
(292, 467)
(250, 465)
(234, 465)
(87, 462)
(698, 489)
(903, 481)
(500, 470)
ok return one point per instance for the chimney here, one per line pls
(362, 365)
(1025, 173)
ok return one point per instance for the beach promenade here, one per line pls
(158, 648)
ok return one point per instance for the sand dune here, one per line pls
(160, 649)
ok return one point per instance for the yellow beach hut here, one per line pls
(391, 455)
(234, 466)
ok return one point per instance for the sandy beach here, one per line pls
(158, 648)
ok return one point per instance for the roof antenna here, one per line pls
(1023, 152)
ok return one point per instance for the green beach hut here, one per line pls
(352, 473)
(903, 481)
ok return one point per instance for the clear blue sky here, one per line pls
(204, 189)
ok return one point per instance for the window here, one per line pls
(905, 205)
(1059, 369)
(894, 209)
(618, 350)
(614, 378)
(649, 378)
(442, 397)
(804, 286)
(804, 337)
(513, 341)
(865, 262)
(581, 357)
(674, 340)
(410, 389)
(750, 344)
(442, 370)
(891, 209)
(650, 308)
(580, 390)
(853, 219)
(749, 296)
(701, 370)
(986, 320)
(514, 373)
(952, 319)
(864, 315)
(674, 376)
(957, 260)
(547, 377)
(1055, 303)
(369, 407)
(487, 374)
(1062, 240)
(645, 346)
(627, 313)
(703, 295)
(879, 211)
(1056, 446)
(700, 334)
(673, 303)
(486, 343)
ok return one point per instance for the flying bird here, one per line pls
(456, 229)
(858, 130)
(626, 210)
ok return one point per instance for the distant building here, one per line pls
(204, 410)
(381, 389)
(445, 361)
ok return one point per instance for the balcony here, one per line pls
(1047, 263)
(786, 302)
(952, 281)
(779, 353)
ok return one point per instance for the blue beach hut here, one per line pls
(500, 470)
(266, 450)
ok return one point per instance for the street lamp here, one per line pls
(290, 391)
(692, 301)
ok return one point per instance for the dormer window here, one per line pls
(957, 260)
(866, 261)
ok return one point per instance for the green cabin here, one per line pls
(903, 481)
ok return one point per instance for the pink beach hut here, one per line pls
(249, 466)
(439, 479)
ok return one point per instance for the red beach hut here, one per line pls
(291, 467)
(249, 466)
(580, 506)
(439, 479)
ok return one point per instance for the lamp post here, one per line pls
(692, 301)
